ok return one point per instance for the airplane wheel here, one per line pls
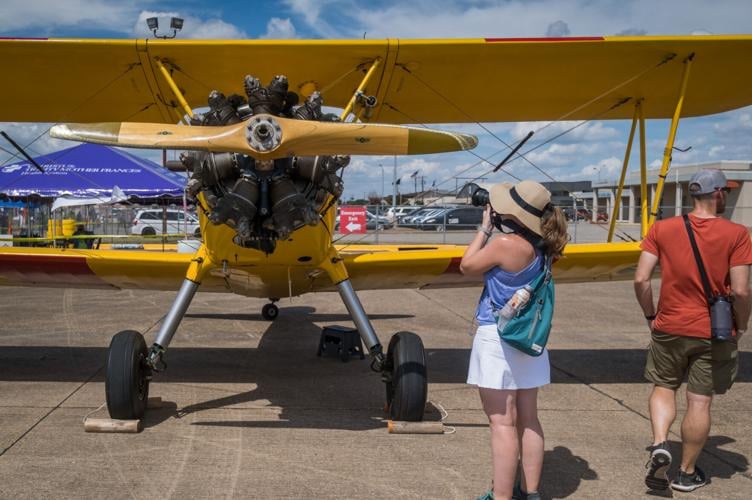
(407, 390)
(127, 378)
(270, 312)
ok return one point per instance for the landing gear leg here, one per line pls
(403, 368)
(130, 365)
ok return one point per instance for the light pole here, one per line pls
(382, 181)
(394, 186)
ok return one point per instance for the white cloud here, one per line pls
(558, 29)
(46, 15)
(33, 137)
(604, 169)
(193, 27)
(561, 154)
(281, 29)
(517, 18)
(592, 131)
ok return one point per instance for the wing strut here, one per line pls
(670, 141)
(627, 154)
(643, 176)
(173, 86)
(361, 88)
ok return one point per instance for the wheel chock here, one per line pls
(401, 427)
(112, 425)
(155, 402)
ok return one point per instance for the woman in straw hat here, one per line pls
(508, 379)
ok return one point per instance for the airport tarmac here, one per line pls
(251, 411)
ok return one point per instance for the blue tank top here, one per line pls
(500, 285)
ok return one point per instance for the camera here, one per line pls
(478, 196)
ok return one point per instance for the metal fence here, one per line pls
(381, 227)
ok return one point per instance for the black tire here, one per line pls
(148, 231)
(270, 312)
(197, 232)
(127, 378)
(407, 391)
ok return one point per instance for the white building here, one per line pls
(676, 199)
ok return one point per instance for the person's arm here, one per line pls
(477, 258)
(742, 304)
(642, 288)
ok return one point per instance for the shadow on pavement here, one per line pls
(284, 373)
(563, 472)
(278, 349)
(722, 465)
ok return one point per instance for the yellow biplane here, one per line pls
(265, 159)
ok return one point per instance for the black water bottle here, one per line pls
(721, 318)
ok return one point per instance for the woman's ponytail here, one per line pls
(554, 229)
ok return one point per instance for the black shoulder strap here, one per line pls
(698, 258)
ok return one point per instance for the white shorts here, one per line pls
(496, 365)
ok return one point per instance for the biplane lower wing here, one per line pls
(371, 267)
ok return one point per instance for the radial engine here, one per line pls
(263, 200)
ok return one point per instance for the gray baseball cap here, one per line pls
(708, 180)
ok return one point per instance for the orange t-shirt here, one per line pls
(682, 305)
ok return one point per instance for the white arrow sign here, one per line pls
(352, 227)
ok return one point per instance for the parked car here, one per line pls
(571, 214)
(414, 218)
(465, 218)
(394, 213)
(149, 222)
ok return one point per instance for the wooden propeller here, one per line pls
(266, 137)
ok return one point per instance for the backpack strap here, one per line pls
(698, 259)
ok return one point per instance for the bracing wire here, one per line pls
(639, 74)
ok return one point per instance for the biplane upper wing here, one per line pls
(416, 81)
(370, 267)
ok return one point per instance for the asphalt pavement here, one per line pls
(251, 412)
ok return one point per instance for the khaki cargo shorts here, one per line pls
(710, 366)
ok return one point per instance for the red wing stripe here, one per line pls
(548, 39)
(454, 266)
(47, 269)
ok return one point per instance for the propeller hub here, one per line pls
(264, 134)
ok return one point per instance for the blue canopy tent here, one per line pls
(87, 174)
(90, 170)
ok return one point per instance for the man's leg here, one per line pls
(662, 412)
(665, 369)
(694, 429)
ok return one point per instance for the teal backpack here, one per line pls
(528, 330)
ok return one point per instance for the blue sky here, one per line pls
(594, 151)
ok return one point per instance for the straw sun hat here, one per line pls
(526, 200)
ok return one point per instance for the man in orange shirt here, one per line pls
(681, 342)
